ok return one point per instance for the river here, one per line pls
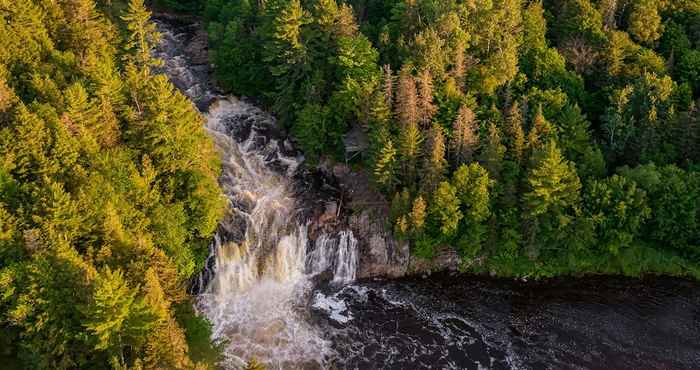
(278, 289)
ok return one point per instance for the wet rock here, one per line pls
(197, 48)
(446, 259)
(380, 254)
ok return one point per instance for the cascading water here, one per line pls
(257, 280)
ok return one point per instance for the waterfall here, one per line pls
(337, 253)
(257, 283)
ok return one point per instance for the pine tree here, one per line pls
(167, 346)
(410, 137)
(554, 194)
(407, 99)
(418, 214)
(426, 108)
(143, 34)
(459, 64)
(386, 166)
(434, 163)
(401, 227)
(410, 140)
(283, 51)
(473, 185)
(493, 151)
(116, 316)
(465, 138)
(687, 135)
(388, 86)
(539, 133)
(445, 209)
(516, 136)
(346, 26)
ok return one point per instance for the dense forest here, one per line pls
(108, 193)
(534, 137)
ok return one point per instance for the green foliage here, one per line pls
(445, 210)
(618, 209)
(552, 199)
(104, 167)
(545, 95)
(472, 184)
(673, 198)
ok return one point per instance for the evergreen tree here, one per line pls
(385, 167)
(388, 86)
(493, 151)
(117, 317)
(465, 137)
(284, 52)
(143, 34)
(473, 185)
(434, 163)
(553, 197)
(445, 209)
(407, 99)
(417, 216)
(426, 108)
(516, 136)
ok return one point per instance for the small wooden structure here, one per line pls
(355, 143)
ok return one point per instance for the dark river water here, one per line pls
(466, 322)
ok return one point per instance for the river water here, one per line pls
(291, 301)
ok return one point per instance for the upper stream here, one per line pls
(275, 292)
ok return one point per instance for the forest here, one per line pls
(108, 193)
(536, 138)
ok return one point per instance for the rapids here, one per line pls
(288, 298)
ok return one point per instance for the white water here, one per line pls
(257, 295)
(259, 285)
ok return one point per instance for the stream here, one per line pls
(281, 290)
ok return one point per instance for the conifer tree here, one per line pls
(434, 163)
(539, 132)
(418, 214)
(385, 167)
(402, 226)
(553, 196)
(493, 151)
(283, 50)
(410, 140)
(426, 108)
(516, 136)
(459, 64)
(445, 209)
(117, 317)
(388, 85)
(166, 347)
(473, 185)
(410, 137)
(143, 34)
(465, 138)
(407, 99)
